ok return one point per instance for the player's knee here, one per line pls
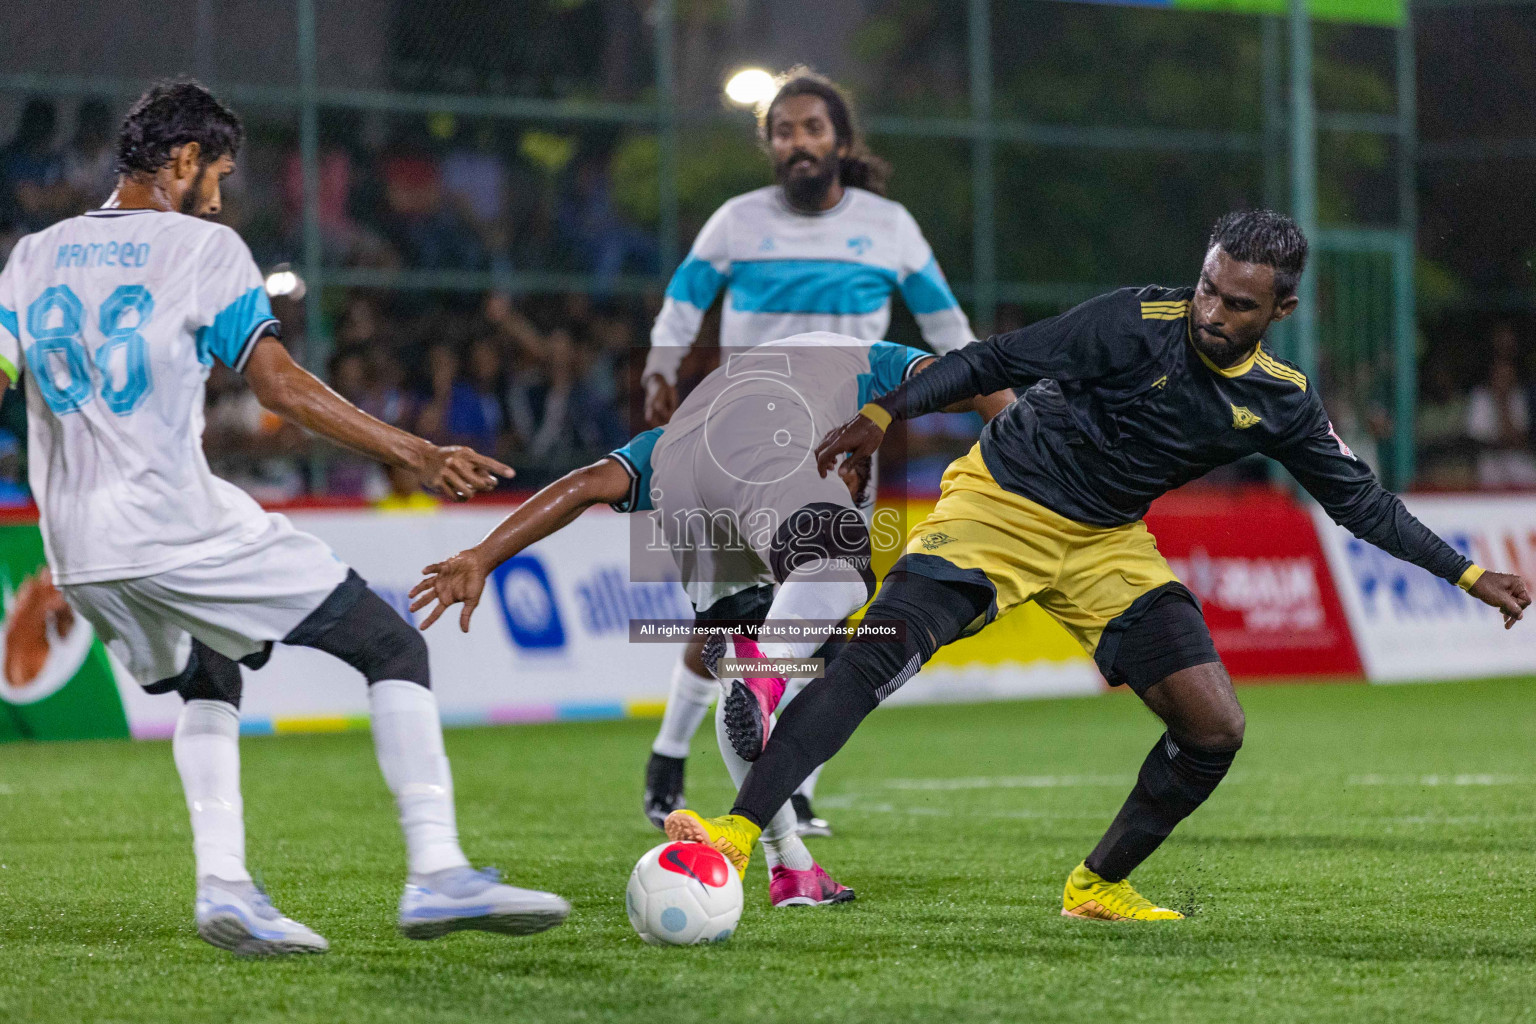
(362, 630)
(1225, 730)
(924, 613)
(401, 653)
(826, 541)
(209, 676)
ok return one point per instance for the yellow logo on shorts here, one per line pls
(1242, 418)
(935, 540)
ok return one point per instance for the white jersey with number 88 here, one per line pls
(114, 319)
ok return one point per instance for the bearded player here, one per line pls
(115, 317)
(821, 249)
(1130, 395)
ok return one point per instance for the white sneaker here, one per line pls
(456, 899)
(237, 916)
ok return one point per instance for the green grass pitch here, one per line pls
(1371, 858)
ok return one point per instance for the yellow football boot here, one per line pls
(731, 834)
(1088, 895)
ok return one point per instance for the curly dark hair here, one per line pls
(860, 168)
(1267, 237)
(171, 114)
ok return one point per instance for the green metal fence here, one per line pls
(1284, 147)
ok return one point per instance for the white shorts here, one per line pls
(721, 494)
(237, 602)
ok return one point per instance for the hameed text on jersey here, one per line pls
(114, 319)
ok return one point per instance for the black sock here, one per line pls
(816, 724)
(813, 727)
(1174, 781)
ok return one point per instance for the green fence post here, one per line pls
(666, 167)
(983, 208)
(316, 344)
(1404, 300)
(1304, 181)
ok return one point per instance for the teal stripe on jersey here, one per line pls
(888, 363)
(926, 291)
(635, 457)
(226, 337)
(832, 287)
(696, 282)
(8, 321)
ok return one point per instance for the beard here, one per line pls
(808, 191)
(191, 200)
(1222, 350)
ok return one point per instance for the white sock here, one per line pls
(687, 703)
(206, 747)
(408, 740)
(805, 597)
(781, 840)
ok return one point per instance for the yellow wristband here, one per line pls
(877, 415)
(1472, 575)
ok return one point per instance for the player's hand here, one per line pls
(660, 401)
(460, 472)
(460, 578)
(859, 438)
(1505, 591)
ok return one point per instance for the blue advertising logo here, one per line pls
(528, 603)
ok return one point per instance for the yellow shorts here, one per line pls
(1082, 576)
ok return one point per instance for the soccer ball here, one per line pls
(681, 894)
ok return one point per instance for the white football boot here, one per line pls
(456, 899)
(239, 917)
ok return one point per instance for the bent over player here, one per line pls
(1134, 393)
(755, 530)
(822, 249)
(115, 317)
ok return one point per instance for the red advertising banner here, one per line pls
(1253, 558)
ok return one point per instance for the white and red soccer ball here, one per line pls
(681, 894)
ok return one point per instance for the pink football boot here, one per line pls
(749, 705)
(813, 888)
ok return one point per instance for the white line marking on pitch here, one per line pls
(1464, 779)
(1009, 782)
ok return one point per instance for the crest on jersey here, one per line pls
(861, 244)
(935, 540)
(1242, 417)
(1344, 448)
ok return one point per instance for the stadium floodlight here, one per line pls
(284, 282)
(749, 87)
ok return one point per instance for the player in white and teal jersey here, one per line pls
(820, 250)
(113, 320)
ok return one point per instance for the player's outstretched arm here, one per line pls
(295, 394)
(462, 577)
(1352, 497)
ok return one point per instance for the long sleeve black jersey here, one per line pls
(1121, 408)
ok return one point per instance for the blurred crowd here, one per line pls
(548, 381)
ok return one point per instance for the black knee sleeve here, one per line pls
(926, 612)
(208, 676)
(359, 627)
(826, 540)
(1162, 632)
(1173, 781)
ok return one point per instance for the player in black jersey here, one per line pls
(1129, 395)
